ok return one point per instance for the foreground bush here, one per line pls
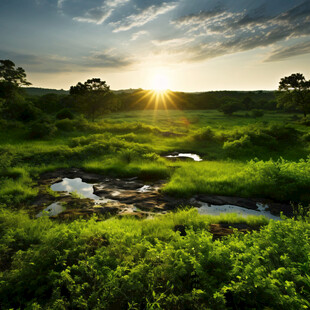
(121, 264)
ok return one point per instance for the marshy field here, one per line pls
(154, 155)
(118, 213)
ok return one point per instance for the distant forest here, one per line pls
(138, 99)
(37, 91)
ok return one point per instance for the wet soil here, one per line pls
(127, 197)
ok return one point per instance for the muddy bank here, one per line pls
(80, 193)
(223, 230)
(108, 196)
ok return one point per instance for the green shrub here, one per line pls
(255, 138)
(131, 137)
(7, 157)
(230, 107)
(306, 137)
(305, 121)
(237, 146)
(64, 113)
(280, 180)
(41, 129)
(81, 123)
(285, 133)
(204, 134)
(20, 109)
(151, 157)
(13, 173)
(16, 186)
(127, 155)
(65, 124)
(118, 264)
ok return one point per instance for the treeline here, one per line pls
(145, 99)
(93, 99)
(38, 91)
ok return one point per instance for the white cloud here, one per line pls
(99, 14)
(95, 15)
(173, 42)
(145, 16)
(290, 51)
(138, 34)
(115, 3)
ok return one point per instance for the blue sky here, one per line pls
(195, 45)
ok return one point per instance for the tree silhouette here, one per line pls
(294, 91)
(11, 79)
(10, 74)
(92, 97)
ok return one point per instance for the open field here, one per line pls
(170, 260)
(242, 156)
(154, 155)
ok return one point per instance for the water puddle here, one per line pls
(195, 157)
(217, 210)
(52, 210)
(121, 194)
(75, 186)
(145, 188)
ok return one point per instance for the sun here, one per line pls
(160, 83)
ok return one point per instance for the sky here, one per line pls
(190, 45)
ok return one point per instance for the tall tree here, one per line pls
(9, 73)
(294, 92)
(11, 78)
(92, 97)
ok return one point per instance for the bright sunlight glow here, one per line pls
(160, 83)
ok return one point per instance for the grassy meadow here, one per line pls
(145, 264)
(167, 164)
(243, 156)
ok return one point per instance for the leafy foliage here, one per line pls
(230, 106)
(18, 108)
(295, 92)
(12, 75)
(91, 97)
(146, 264)
(64, 113)
(41, 128)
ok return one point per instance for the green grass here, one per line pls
(145, 264)
(130, 144)
(127, 263)
(279, 180)
(145, 170)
